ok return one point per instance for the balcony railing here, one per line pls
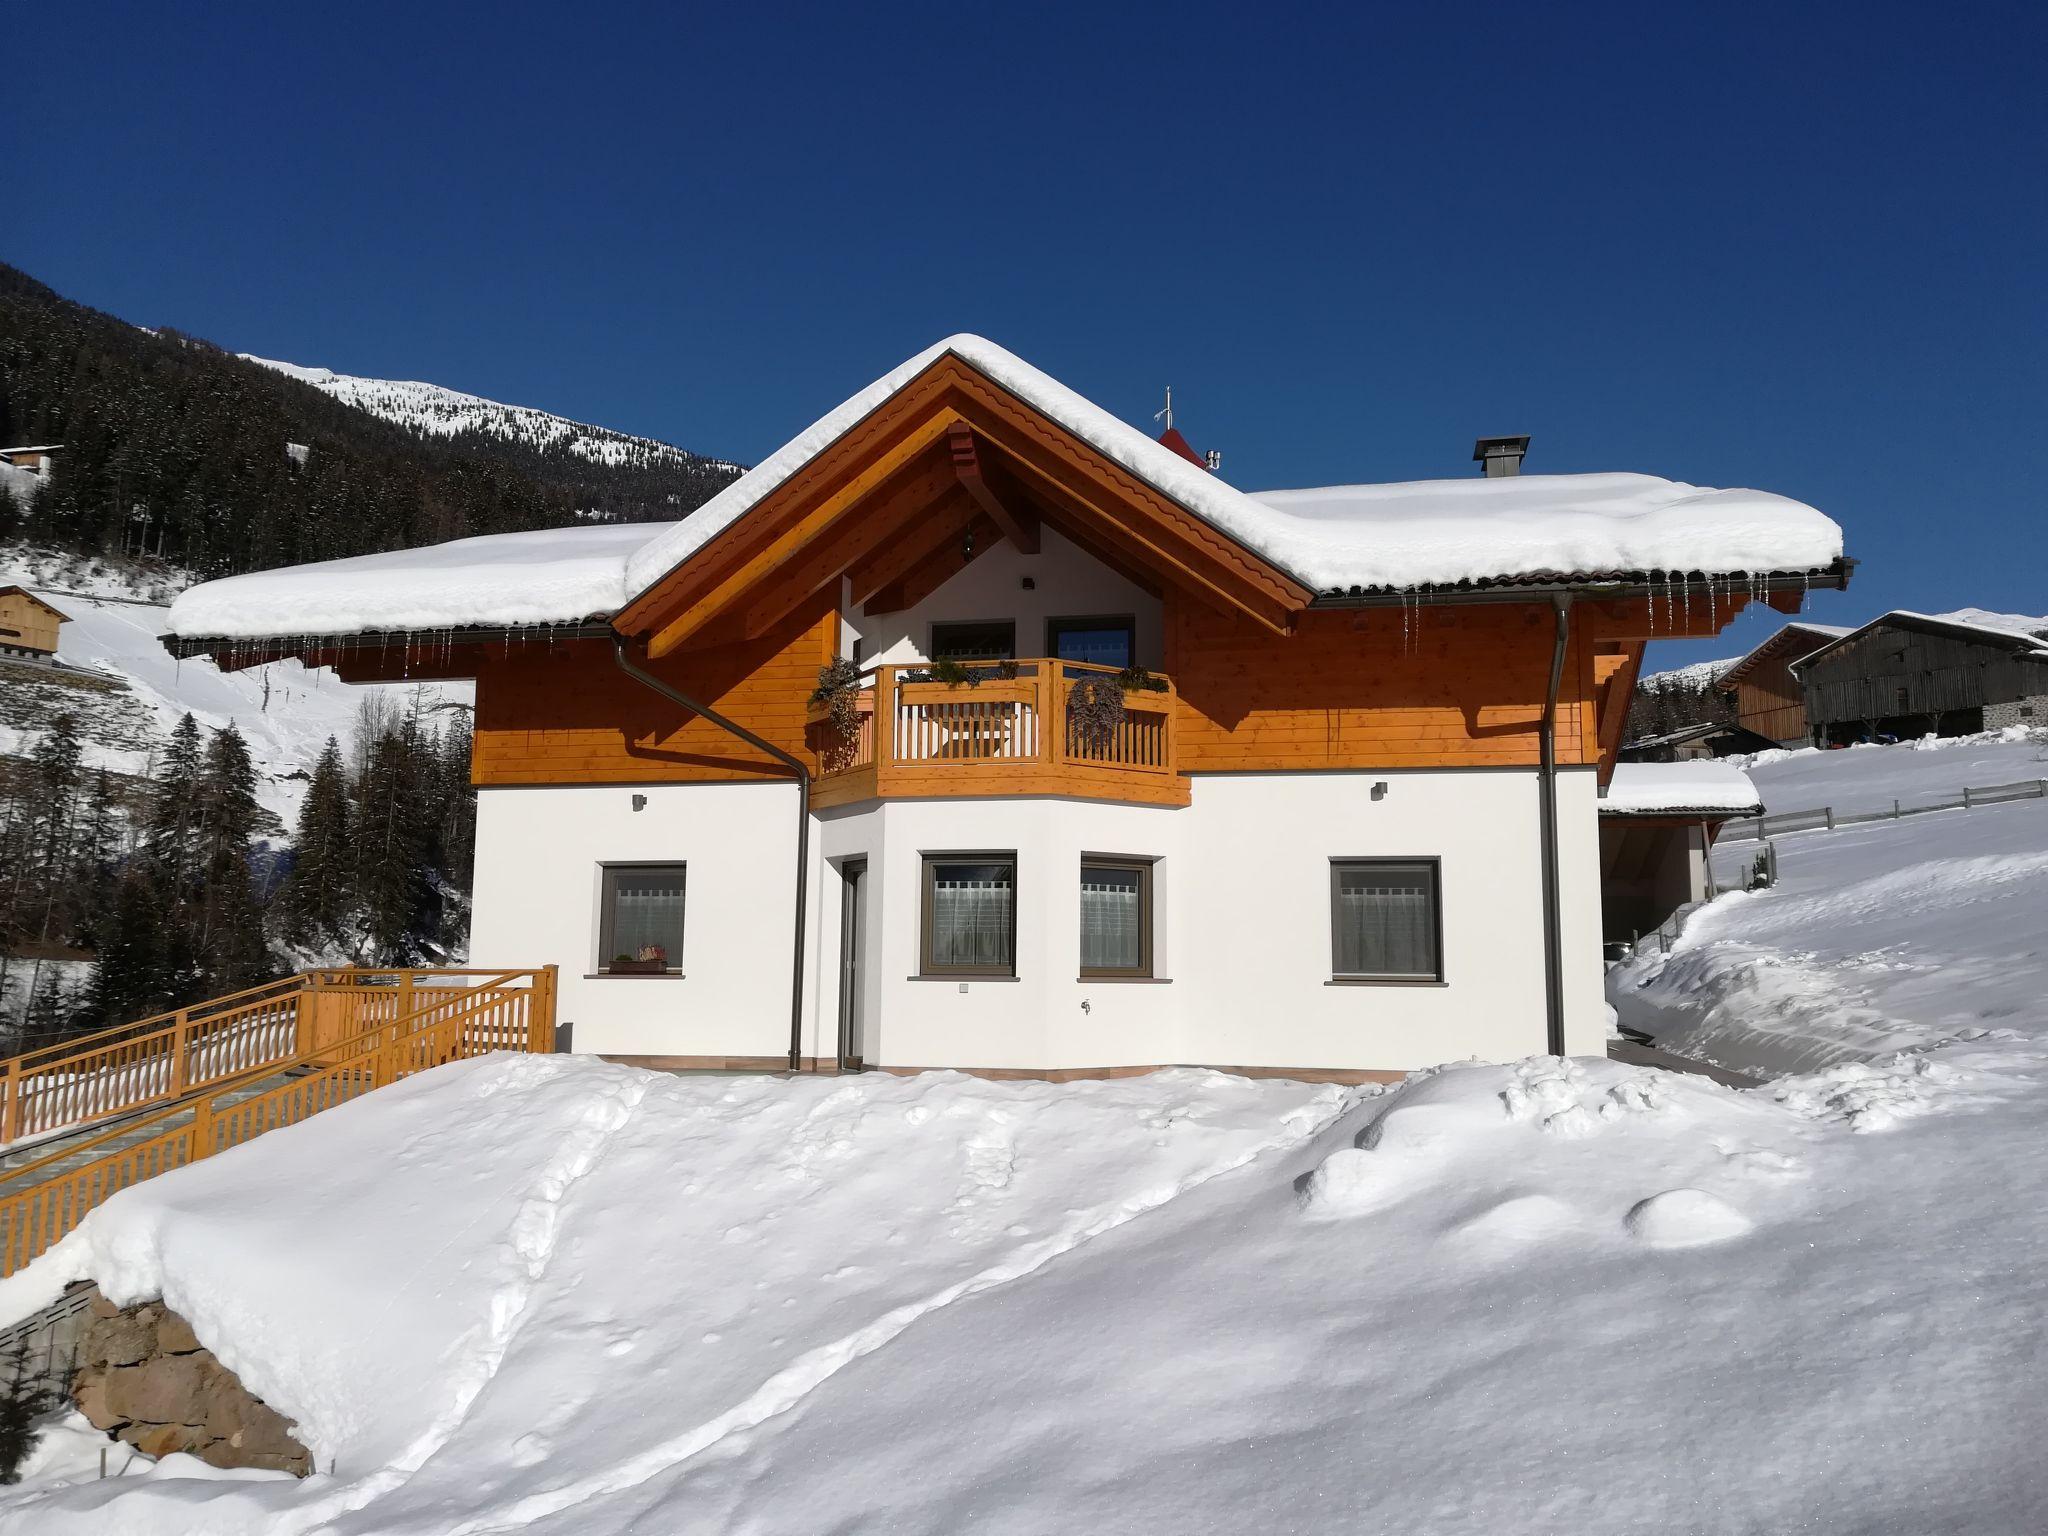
(1003, 728)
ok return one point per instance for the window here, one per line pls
(1116, 917)
(1386, 920)
(970, 914)
(974, 642)
(1108, 642)
(640, 927)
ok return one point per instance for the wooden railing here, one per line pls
(1006, 730)
(508, 1010)
(79, 1083)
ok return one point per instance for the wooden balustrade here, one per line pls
(1006, 731)
(506, 1010)
(79, 1083)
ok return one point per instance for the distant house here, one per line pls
(1768, 700)
(28, 625)
(40, 457)
(1692, 743)
(1911, 674)
(1658, 822)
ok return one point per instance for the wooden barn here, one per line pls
(1767, 697)
(1911, 674)
(28, 625)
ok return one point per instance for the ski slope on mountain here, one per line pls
(432, 410)
(284, 711)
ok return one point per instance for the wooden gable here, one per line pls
(948, 464)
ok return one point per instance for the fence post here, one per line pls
(1966, 797)
(201, 1128)
(1895, 810)
(10, 1106)
(181, 1047)
(1831, 817)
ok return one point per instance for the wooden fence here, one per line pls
(509, 1010)
(1828, 818)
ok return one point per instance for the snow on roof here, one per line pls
(1822, 634)
(551, 576)
(2012, 629)
(1664, 789)
(1335, 538)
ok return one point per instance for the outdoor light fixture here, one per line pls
(1379, 790)
(639, 802)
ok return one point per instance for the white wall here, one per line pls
(538, 856)
(1067, 583)
(1242, 922)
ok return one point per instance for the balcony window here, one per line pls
(1116, 917)
(640, 925)
(1386, 920)
(974, 642)
(970, 914)
(1106, 642)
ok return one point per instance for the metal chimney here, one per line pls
(1500, 455)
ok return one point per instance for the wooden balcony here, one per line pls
(1006, 730)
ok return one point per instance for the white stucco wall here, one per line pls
(539, 852)
(1066, 583)
(1241, 915)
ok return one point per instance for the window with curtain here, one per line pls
(970, 914)
(1386, 920)
(641, 928)
(1116, 917)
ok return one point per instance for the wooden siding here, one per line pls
(1437, 688)
(27, 622)
(1769, 701)
(567, 715)
(1894, 673)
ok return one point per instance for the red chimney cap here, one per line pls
(1171, 438)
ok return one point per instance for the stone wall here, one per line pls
(144, 1376)
(2027, 711)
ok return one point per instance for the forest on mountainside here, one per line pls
(1671, 701)
(168, 883)
(176, 448)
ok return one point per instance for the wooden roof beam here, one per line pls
(1018, 523)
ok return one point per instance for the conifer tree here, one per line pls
(317, 894)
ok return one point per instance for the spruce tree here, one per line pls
(317, 894)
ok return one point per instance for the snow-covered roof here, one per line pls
(1702, 787)
(1820, 634)
(2015, 631)
(1331, 539)
(551, 576)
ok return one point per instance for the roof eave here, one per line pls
(1605, 586)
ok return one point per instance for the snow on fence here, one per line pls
(1828, 818)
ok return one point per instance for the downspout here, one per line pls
(1553, 920)
(803, 826)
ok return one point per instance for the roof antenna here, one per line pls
(1167, 414)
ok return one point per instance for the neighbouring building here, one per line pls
(975, 728)
(1914, 674)
(28, 625)
(1658, 822)
(1767, 697)
(42, 458)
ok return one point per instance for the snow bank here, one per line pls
(521, 1282)
(552, 576)
(1702, 785)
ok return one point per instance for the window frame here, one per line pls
(1142, 867)
(607, 917)
(939, 626)
(929, 863)
(1435, 866)
(1127, 622)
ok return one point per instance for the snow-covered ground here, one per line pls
(556, 1296)
(284, 711)
(1870, 778)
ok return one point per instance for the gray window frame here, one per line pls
(1435, 865)
(1142, 866)
(926, 875)
(607, 915)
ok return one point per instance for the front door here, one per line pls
(853, 927)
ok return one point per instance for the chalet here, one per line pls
(40, 457)
(1766, 694)
(28, 625)
(975, 728)
(1914, 674)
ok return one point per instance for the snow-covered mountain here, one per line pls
(431, 410)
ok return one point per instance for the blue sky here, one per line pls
(1792, 247)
